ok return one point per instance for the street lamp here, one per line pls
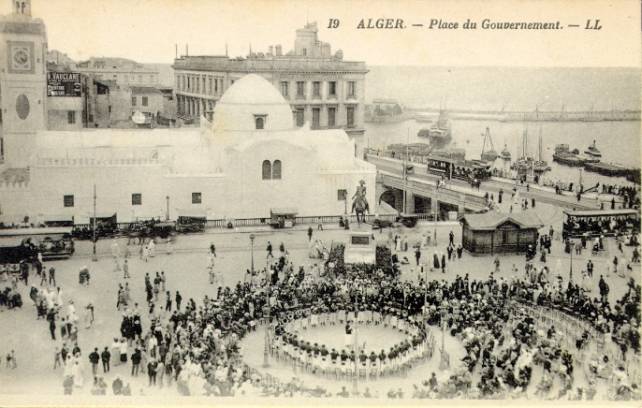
(570, 271)
(94, 257)
(355, 343)
(252, 252)
(435, 210)
(444, 362)
(266, 348)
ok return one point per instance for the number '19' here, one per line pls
(333, 23)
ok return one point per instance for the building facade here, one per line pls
(493, 232)
(250, 160)
(123, 71)
(322, 89)
(23, 83)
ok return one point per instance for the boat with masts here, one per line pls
(540, 165)
(488, 155)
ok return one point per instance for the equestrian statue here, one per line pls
(360, 203)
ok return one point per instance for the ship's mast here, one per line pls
(539, 155)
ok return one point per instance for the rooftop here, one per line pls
(144, 90)
(491, 220)
(287, 63)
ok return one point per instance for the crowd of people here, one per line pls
(197, 348)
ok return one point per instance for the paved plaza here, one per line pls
(185, 268)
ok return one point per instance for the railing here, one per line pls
(444, 193)
(257, 222)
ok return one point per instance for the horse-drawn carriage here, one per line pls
(106, 226)
(283, 217)
(150, 230)
(190, 222)
(23, 244)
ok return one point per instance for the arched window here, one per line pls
(276, 170)
(259, 122)
(267, 169)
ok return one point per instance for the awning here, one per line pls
(102, 215)
(601, 213)
(58, 218)
(284, 211)
(165, 224)
(11, 241)
(191, 212)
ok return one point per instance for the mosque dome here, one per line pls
(252, 104)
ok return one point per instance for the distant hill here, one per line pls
(494, 88)
(166, 73)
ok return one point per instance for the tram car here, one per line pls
(23, 244)
(601, 222)
(454, 168)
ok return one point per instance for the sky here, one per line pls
(147, 30)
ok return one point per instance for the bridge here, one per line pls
(421, 190)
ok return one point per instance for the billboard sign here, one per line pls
(63, 84)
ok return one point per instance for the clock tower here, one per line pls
(23, 83)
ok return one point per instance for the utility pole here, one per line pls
(94, 257)
(167, 208)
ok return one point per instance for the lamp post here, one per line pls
(94, 257)
(252, 253)
(266, 348)
(444, 363)
(570, 270)
(355, 345)
(435, 210)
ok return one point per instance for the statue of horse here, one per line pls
(360, 207)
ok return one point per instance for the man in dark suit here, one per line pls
(105, 356)
(94, 358)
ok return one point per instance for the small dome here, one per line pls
(251, 99)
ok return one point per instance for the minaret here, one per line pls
(22, 7)
(23, 82)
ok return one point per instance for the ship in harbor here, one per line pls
(540, 165)
(611, 169)
(573, 158)
(564, 155)
(527, 164)
(439, 134)
(593, 151)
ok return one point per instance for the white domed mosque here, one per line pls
(249, 160)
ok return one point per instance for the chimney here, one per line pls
(279, 51)
(186, 50)
(270, 50)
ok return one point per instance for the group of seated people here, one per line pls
(10, 298)
(199, 343)
(346, 362)
(599, 225)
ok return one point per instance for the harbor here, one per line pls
(467, 138)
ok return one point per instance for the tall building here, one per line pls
(322, 89)
(124, 72)
(23, 82)
(249, 162)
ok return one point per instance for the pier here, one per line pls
(458, 195)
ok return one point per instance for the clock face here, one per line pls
(21, 57)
